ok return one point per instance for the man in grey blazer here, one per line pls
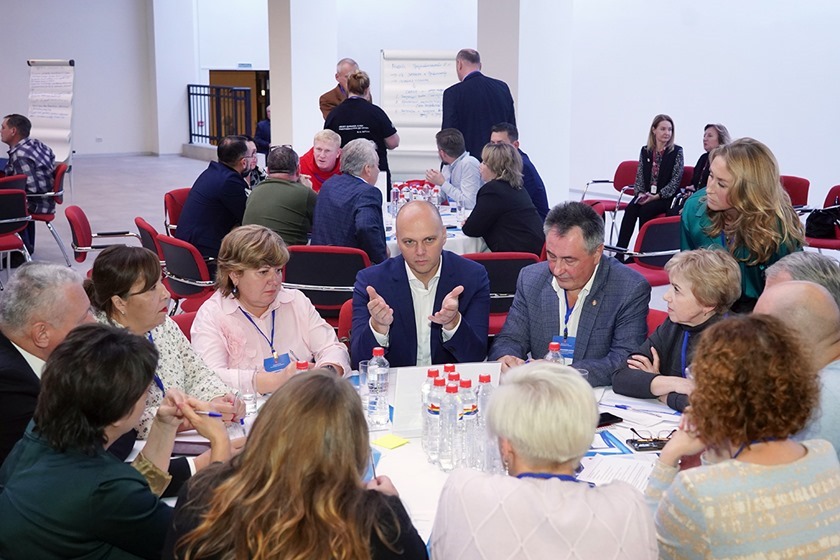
(593, 305)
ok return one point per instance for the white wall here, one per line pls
(230, 33)
(764, 68)
(109, 42)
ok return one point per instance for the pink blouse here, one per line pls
(228, 342)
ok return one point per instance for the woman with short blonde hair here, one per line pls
(745, 210)
(504, 214)
(544, 416)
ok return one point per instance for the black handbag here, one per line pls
(820, 223)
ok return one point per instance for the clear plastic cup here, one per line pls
(363, 386)
(583, 373)
(248, 390)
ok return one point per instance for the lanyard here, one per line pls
(753, 442)
(568, 315)
(259, 330)
(546, 476)
(682, 354)
(158, 380)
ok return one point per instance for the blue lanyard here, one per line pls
(545, 476)
(753, 442)
(158, 380)
(568, 315)
(259, 330)
(682, 354)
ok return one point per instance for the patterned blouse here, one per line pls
(178, 366)
(741, 510)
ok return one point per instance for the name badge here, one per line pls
(567, 347)
(270, 364)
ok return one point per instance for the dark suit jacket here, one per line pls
(533, 184)
(214, 207)
(19, 388)
(474, 106)
(613, 321)
(262, 137)
(468, 344)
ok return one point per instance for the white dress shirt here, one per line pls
(423, 300)
(574, 318)
(36, 363)
(461, 180)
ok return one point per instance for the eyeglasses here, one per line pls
(645, 435)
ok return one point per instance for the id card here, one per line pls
(270, 364)
(567, 347)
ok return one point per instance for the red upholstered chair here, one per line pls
(148, 238)
(503, 271)
(83, 238)
(622, 181)
(345, 322)
(326, 274)
(15, 182)
(185, 321)
(655, 318)
(657, 242)
(57, 194)
(797, 188)
(173, 203)
(187, 272)
(832, 199)
(14, 217)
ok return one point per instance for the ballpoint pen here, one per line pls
(210, 413)
(645, 411)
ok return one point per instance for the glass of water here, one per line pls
(248, 390)
(363, 386)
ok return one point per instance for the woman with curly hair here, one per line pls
(770, 496)
(745, 210)
(296, 491)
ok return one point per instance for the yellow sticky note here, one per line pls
(390, 441)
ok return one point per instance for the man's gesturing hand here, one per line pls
(381, 314)
(448, 316)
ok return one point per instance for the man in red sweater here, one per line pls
(323, 160)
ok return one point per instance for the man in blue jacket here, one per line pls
(506, 133)
(425, 306)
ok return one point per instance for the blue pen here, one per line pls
(646, 411)
(209, 413)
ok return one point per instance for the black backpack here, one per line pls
(820, 223)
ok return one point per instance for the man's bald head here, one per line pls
(420, 237)
(806, 307)
(416, 210)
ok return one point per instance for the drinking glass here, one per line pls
(248, 390)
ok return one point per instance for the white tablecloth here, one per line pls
(456, 241)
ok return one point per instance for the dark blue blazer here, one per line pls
(474, 106)
(390, 280)
(19, 388)
(214, 207)
(533, 184)
(262, 137)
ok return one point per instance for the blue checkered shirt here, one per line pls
(36, 160)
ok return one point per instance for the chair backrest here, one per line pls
(797, 188)
(658, 234)
(625, 174)
(173, 204)
(503, 271)
(345, 322)
(326, 274)
(687, 176)
(833, 197)
(148, 236)
(185, 321)
(14, 215)
(655, 317)
(16, 182)
(183, 261)
(80, 229)
(58, 182)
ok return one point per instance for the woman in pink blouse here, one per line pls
(252, 323)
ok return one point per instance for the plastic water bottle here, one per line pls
(489, 457)
(448, 368)
(425, 390)
(395, 198)
(453, 377)
(554, 354)
(434, 197)
(301, 366)
(406, 191)
(378, 388)
(425, 191)
(431, 420)
(450, 411)
(401, 201)
(469, 425)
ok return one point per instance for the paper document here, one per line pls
(602, 469)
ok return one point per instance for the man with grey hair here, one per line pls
(808, 266)
(335, 96)
(589, 303)
(811, 312)
(349, 209)
(282, 203)
(41, 303)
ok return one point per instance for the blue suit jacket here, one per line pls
(349, 214)
(262, 137)
(613, 321)
(474, 106)
(390, 280)
(533, 184)
(214, 207)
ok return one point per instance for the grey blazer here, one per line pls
(613, 321)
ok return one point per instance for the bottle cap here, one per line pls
(454, 376)
(440, 382)
(466, 384)
(378, 351)
(448, 368)
(484, 378)
(452, 388)
(553, 346)
(302, 365)
(433, 372)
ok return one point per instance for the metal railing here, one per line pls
(218, 111)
